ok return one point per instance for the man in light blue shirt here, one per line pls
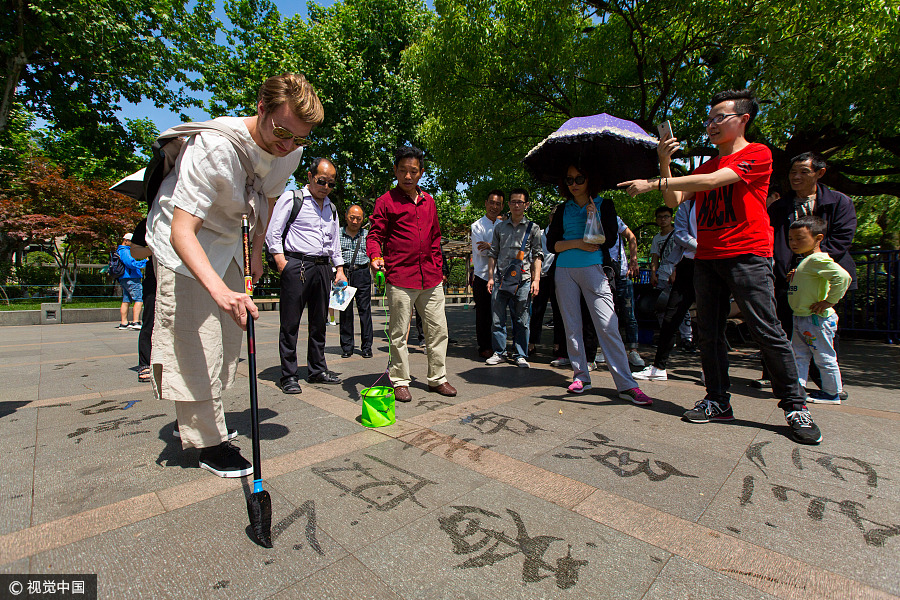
(304, 251)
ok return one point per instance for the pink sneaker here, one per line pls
(636, 396)
(578, 387)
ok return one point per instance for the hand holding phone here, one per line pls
(665, 130)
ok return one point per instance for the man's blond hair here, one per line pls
(297, 92)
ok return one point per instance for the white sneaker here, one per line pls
(560, 362)
(592, 366)
(651, 373)
(522, 363)
(600, 359)
(496, 359)
(635, 359)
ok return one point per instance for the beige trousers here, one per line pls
(430, 305)
(195, 354)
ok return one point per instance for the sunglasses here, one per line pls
(283, 134)
(576, 180)
(324, 182)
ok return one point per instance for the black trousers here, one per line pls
(361, 279)
(750, 280)
(560, 348)
(312, 294)
(148, 316)
(546, 293)
(680, 299)
(482, 313)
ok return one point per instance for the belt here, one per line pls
(316, 259)
(358, 267)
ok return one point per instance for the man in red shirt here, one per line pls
(404, 241)
(734, 258)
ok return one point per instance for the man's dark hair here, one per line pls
(314, 165)
(663, 209)
(409, 152)
(521, 191)
(816, 225)
(744, 102)
(496, 193)
(817, 161)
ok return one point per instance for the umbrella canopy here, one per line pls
(606, 146)
(132, 185)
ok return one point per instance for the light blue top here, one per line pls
(574, 221)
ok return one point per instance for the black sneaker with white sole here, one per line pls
(803, 429)
(707, 410)
(225, 460)
(232, 433)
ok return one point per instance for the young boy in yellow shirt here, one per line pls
(814, 287)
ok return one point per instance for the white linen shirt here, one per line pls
(482, 231)
(208, 181)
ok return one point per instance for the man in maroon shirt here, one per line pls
(404, 241)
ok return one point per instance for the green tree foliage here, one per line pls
(497, 77)
(351, 53)
(71, 62)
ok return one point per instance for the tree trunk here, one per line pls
(15, 64)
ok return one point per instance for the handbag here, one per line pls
(511, 278)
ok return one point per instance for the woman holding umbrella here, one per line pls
(579, 272)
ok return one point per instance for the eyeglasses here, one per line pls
(511, 202)
(576, 180)
(719, 118)
(283, 134)
(324, 182)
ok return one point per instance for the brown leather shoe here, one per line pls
(445, 389)
(401, 394)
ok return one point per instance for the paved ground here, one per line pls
(511, 490)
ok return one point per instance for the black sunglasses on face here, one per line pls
(324, 182)
(576, 180)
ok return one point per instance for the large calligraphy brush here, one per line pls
(259, 503)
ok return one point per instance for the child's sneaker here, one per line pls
(651, 373)
(578, 387)
(496, 359)
(636, 397)
(708, 410)
(592, 366)
(803, 428)
(820, 397)
(635, 359)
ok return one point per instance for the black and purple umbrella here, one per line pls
(606, 146)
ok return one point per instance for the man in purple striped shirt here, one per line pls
(304, 251)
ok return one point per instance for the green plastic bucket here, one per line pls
(378, 406)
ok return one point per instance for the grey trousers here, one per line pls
(590, 282)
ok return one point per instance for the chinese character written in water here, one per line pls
(839, 467)
(381, 485)
(428, 440)
(491, 422)
(619, 460)
(112, 425)
(308, 508)
(470, 536)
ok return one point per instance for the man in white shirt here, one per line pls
(482, 234)
(195, 233)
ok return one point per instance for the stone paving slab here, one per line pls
(753, 515)
(501, 543)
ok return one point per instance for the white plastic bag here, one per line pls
(593, 231)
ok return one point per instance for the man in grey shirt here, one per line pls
(505, 247)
